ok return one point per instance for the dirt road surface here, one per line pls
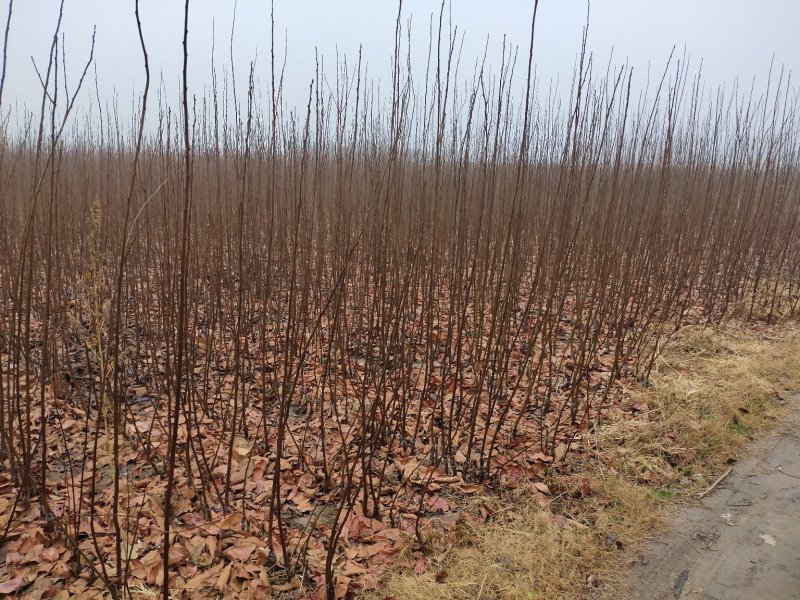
(742, 541)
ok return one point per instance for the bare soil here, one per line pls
(742, 541)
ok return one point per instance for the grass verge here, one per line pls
(714, 390)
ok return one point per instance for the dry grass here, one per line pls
(713, 391)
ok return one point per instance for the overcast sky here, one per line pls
(734, 38)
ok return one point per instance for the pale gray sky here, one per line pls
(734, 38)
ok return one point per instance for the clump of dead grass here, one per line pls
(532, 548)
(713, 391)
(523, 553)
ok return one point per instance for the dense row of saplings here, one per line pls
(453, 278)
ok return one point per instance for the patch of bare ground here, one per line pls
(742, 540)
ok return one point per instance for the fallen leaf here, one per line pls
(561, 452)
(438, 503)
(211, 544)
(421, 565)
(342, 585)
(50, 554)
(768, 539)
(470, 488)
(231, 521)
(222, 580)
(541, 487)
(240, 551)
(11, 586)
(680, 581)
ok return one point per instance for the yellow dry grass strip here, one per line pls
(714, 390)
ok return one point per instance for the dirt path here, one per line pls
(740, 542)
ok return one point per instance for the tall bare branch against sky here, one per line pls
(733, 38)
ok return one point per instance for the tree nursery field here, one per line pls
(253, 350)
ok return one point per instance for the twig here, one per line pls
(716, 483)
(780, 469)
